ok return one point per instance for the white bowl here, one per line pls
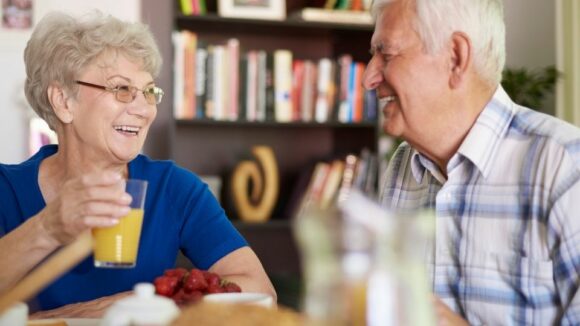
(259, 299)
(17, 315)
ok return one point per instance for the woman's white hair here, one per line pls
(481, 20)
(62, 46)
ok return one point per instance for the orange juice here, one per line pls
(117, 246)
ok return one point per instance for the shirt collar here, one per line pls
(420, 163)
(481, 143)
(483, 140)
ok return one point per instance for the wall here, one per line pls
(530, 38)
(13, 106)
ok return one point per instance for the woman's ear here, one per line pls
(58, 100)
(461, 57)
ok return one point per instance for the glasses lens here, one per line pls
(125, 94)
(153, 95)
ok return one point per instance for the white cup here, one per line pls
(259, 299)
(17, 315)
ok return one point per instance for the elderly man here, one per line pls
(503, 180)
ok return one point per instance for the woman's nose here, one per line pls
(372, 76)
(140, 106)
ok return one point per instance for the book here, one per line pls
(347, 177)
(308, 94)
(323, 90)
(200, 79)
(336, 16)
(178, 75)
(332, 183)
(283, 85)
(232, 82)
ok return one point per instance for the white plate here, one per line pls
(69, 321)
(259, 299)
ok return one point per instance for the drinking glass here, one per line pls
(117, 246)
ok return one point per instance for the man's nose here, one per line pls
(372, 76)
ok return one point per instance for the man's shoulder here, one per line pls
(555, 132)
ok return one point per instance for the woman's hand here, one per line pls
(446, 316)
(93, 200)
(89, 309)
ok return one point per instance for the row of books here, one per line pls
(192, 7)
(331, 182)
(219, 82)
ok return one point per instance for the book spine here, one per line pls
(264, 81)
(210, 84)
(323, 88)
(233, 79)
(178, 72)
(200, 79)
(283, 85)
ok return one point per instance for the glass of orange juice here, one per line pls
(117, 246)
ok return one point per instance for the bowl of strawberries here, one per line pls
(188, 286)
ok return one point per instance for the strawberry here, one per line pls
(179, 297)
(232, 287)
(211, 278)
(180, 273)
(165, 286)
(215, 288)
(195, 281)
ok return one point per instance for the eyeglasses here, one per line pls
(127, 94)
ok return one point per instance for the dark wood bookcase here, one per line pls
(209, 147)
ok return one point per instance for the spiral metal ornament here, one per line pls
(261, 176)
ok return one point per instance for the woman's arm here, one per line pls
(89, 309)
(22, 249)
(94, 200)
(243, 267)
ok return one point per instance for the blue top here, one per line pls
(180, 213)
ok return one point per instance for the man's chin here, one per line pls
(392, 130)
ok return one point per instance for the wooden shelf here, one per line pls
(306, 39)
(211, 21)
(283, 223)
(273, 241)
(273, 124)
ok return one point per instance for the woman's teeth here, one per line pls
(127, 129)
(383, 101)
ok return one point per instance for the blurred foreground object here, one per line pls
(143, 308)
(363, 264)
(214, 314)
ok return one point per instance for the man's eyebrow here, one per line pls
(380, 47)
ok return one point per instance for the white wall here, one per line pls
(13, 105)
(531, 38)
(530, 33)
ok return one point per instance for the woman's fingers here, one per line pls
(93, 200)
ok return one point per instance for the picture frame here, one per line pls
(253, 9)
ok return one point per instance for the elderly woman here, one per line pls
(92, 80)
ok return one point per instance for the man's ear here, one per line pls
(461, 57)
(58, 100)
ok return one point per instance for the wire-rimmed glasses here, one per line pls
(127, 94)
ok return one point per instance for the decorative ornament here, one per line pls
(262, 180)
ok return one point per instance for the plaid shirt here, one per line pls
(507, 243)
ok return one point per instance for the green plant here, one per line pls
(529, 87)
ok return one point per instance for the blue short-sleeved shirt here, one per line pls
(180, 213)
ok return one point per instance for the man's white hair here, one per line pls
(481, 20)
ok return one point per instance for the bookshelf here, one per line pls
(209, 147)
